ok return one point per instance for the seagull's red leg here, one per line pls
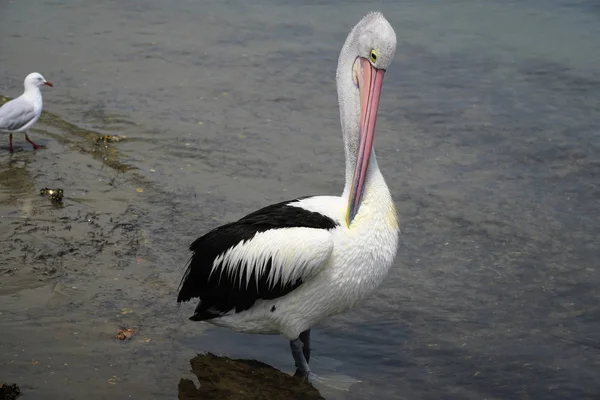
(10, 142)
(35, 146)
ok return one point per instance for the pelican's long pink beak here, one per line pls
(370, 80)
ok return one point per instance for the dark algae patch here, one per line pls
(225, 378)
(9, 391)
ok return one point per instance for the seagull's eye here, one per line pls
(373, 56)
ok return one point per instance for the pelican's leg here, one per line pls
(35, 146)
(305, 338)
(302, 369)
(10, 143)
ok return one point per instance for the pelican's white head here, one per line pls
(35, 80)
(367, 53)
(375, 40)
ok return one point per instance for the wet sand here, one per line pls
(76, 272)
(59, 260)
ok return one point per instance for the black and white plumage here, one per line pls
(286, 267)
(225, 280)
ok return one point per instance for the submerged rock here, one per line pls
(224, 378)
(9, 392)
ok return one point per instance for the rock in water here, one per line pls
(224, 378)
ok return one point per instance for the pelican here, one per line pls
(20, 114)
(286, 267)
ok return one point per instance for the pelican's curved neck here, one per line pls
(349, 103)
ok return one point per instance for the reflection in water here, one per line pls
(15, 180)
(223, 377)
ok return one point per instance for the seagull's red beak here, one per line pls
(49, 84)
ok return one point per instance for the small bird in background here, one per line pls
(20, 114)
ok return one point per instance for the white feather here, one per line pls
(294, 253)
(20, 114)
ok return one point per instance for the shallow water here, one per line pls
(487, 136)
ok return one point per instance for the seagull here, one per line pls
(20, 114)
(286, 267)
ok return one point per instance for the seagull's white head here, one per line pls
(34, 80)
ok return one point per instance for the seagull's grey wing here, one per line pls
(15, 114)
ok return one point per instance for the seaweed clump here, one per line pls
(110, 138)
(54, 194)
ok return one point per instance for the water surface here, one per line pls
(487, 136)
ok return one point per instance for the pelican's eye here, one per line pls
(373, 56)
